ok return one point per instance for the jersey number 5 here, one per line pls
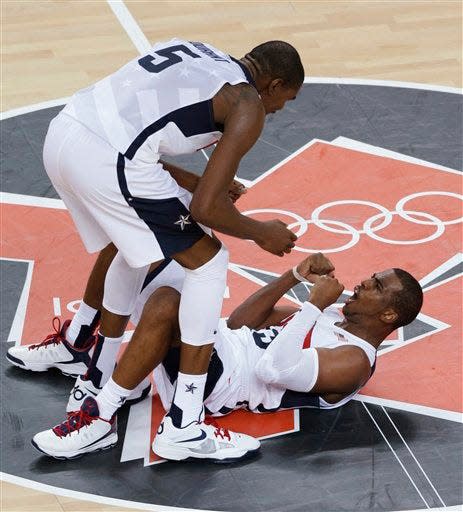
(169, 54)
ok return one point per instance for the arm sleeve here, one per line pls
(285, 362)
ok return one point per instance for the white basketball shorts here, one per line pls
(137, 206)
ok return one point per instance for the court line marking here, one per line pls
(442, 414)
(383, 83)
(131, 27)
(33, 107)
(413, 455)
(23, 200)
(17, 326)
(396, 456)
(441, 269)
(138, 423)
(363, 147)
(95, 498)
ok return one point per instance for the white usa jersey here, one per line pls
(161, 103)
(232, 382)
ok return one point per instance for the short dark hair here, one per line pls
(278, 59)
(408, 301)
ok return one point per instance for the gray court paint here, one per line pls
(13, 277)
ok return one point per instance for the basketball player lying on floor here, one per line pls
(266, 357)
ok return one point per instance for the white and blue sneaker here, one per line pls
(53, 352)
(85, 388)
(204, 440)
(83, 432)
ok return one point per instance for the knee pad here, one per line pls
(201, 301)
(122, 286)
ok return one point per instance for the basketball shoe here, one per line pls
(85, 388)
(202, 440)
(83, 432)
(53, 352)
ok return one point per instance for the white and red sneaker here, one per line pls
(83, 432)
(202, 440)
(53, 352)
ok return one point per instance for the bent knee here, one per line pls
(163, 303)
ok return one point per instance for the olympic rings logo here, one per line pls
(371, 226)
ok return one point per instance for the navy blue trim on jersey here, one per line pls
(296, 400)
(245, 70)
(191, 120)
(163, 217)
(151, 275)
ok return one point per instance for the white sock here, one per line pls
(187, 404)
(110, 398)
(85, 317)
(103, 360)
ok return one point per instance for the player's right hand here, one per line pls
(276, 238)
(325, 291)
(315, 265)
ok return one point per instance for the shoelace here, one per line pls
(221, 432)
(54, 338)
(76, 420)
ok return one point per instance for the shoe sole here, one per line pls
(44, 367)
(170, 453)
(77, 455)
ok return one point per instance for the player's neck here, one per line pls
(370, 334)
(252, 67)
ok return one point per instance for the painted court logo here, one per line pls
(368, 209)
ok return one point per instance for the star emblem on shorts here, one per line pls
(190, 388)
(183, 221)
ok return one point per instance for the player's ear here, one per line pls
(275, 85)
(389, 316)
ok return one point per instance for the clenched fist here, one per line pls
(276, 238)
(325, 291)
(315, 265)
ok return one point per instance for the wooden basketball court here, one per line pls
(50, 49)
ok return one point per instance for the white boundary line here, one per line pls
(441, 269)
(285, 160)
(23, 200)
(413, 455)
(32, 108)
(129, 24)
(95, 498)
(16, 330)
(396, 456)
(383, 83)
(442, 414)
(345, 142)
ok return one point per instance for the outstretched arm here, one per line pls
(260, 309)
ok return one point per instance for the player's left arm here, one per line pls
(260, 310)
(189, 181)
